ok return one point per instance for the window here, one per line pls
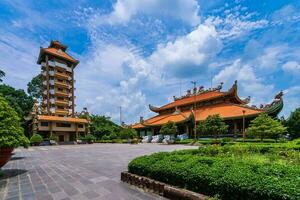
(63, 125)
(44, 124)
(80, 125)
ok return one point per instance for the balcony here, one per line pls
(62, 102)
(62, 76)
(61, 94)
(61, 112)
(61, 84)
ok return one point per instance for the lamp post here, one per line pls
(195, 122)
(244, 124)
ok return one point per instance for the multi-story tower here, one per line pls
(58, 102)
(58, 80)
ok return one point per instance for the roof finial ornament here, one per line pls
(279, 95)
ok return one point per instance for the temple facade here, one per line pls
(199, 103)
(55, 115)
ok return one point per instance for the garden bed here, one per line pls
(246, 171)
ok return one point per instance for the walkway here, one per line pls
(75, 172)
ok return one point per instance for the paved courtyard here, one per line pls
(74, 172)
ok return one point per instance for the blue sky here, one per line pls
(138, 52)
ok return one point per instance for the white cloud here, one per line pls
(291, 100)
(292, 67)
(124, 10)
(235, 24)
(247, 79)
(188, 53)
(18, 59)
(112, 75)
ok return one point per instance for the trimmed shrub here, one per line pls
(231, 172)
(36, 139)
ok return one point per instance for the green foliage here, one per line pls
(263, 126)
(17, 99)
(231, 172)
(101, 125)
(34, 87)
(89, 138)
(169, 128)
(128, 133)
(105, 137)
(36, 139)
(2, 74)
(201, 127)
(11, 133)
(293, 124)
(214, 125)
(113, 136)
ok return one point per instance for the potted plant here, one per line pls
(11, 133)
(90, 138)
(36, 139)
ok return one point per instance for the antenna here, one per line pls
(120, 115)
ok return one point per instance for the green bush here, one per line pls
(36, 139)
(230, 172)
(113, 136)
(11, 133)
(105, 137)
(90, 138)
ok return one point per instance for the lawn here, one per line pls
(233, 171)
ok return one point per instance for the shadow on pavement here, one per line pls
(9, 173)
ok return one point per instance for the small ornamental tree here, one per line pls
(11, 133)
(264, 126)
(201, 128)
(214, 125)
(36, 139)
(128, 133)
(293, 124)
(169, 128)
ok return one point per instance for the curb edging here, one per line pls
(160, 188)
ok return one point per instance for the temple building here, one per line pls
(56, 114)
(232, 109)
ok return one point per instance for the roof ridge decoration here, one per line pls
(198, 91)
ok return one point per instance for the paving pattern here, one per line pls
(74, 172)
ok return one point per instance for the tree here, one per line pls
(293, 124)
(201, 128)
(169, 128)
(101, 125)
(34, 87)
(17, 99)
(2, 74)
(264, 126)
(214, 125)
(128, 133)
(11, 132)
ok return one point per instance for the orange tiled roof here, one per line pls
(61, 119)
(60, 53)
(189, 100)
(226, 111)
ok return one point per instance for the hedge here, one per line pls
(221, 171)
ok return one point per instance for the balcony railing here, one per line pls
(61, 111)
(62, 102)
(61, 84)
(61, 75)
(60, 93)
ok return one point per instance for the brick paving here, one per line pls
(74, 172)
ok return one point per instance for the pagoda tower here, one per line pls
(57, 116)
